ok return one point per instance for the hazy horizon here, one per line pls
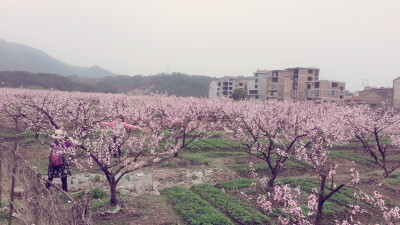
(348, 40)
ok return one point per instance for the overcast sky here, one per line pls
(349, 40)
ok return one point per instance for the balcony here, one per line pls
(308, 93)
(272, 87)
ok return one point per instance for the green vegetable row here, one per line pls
(238, 211)
(194, 210)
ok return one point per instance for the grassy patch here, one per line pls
(99, 204)
(98, 193)
(348, 155)
(169, 164)
(194, 210)
(395, 176)
(290, 165)
(238, 211)
(222, 154)
(195, 157)
(212, 143)
(343, 197)
(10, 134)
(4, 216)
(235, 184)
(78, 195)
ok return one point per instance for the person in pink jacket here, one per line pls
(118, 127)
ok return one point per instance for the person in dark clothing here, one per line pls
(58, 164)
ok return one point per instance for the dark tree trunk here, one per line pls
(271, 181)
(176, 154)
(113, 187)
(113, 197)
(321, 199)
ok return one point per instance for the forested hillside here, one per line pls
(178, 84)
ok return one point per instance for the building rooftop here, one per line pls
(293, 68)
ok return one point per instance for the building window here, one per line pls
(310, 71)
(230, 92)
(274, 79)
(253, 92)
(219, 83)
(225, 88)
(296, 71)
(230, 88)
(334, 93)
(256, 80)
(308, 85)
(316, 93)
(341, 88)
(255, 86)
(225, 83)
(225, 92)
(256, 96)
(341, 97)
(230, 83)
(334, 84)
(316, 85)
(256, 74)
(309, 78)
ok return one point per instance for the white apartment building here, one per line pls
(225, 86)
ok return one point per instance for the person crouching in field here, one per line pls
(118, 127)
(58, 164)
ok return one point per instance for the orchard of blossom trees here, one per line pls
(272, 131)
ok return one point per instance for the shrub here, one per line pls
(98, 193)
(96, 178)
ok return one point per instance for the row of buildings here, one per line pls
(378, 96)
(297, 83)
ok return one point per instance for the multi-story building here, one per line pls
(297, 84)
(225, 86)
(396, 92)
(266, 84)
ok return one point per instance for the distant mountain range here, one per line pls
(17, 57)
(23, 66)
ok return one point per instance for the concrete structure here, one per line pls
(297, 84)
(225, 86)
(353, 100)
(396, 92)
(377, 97)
